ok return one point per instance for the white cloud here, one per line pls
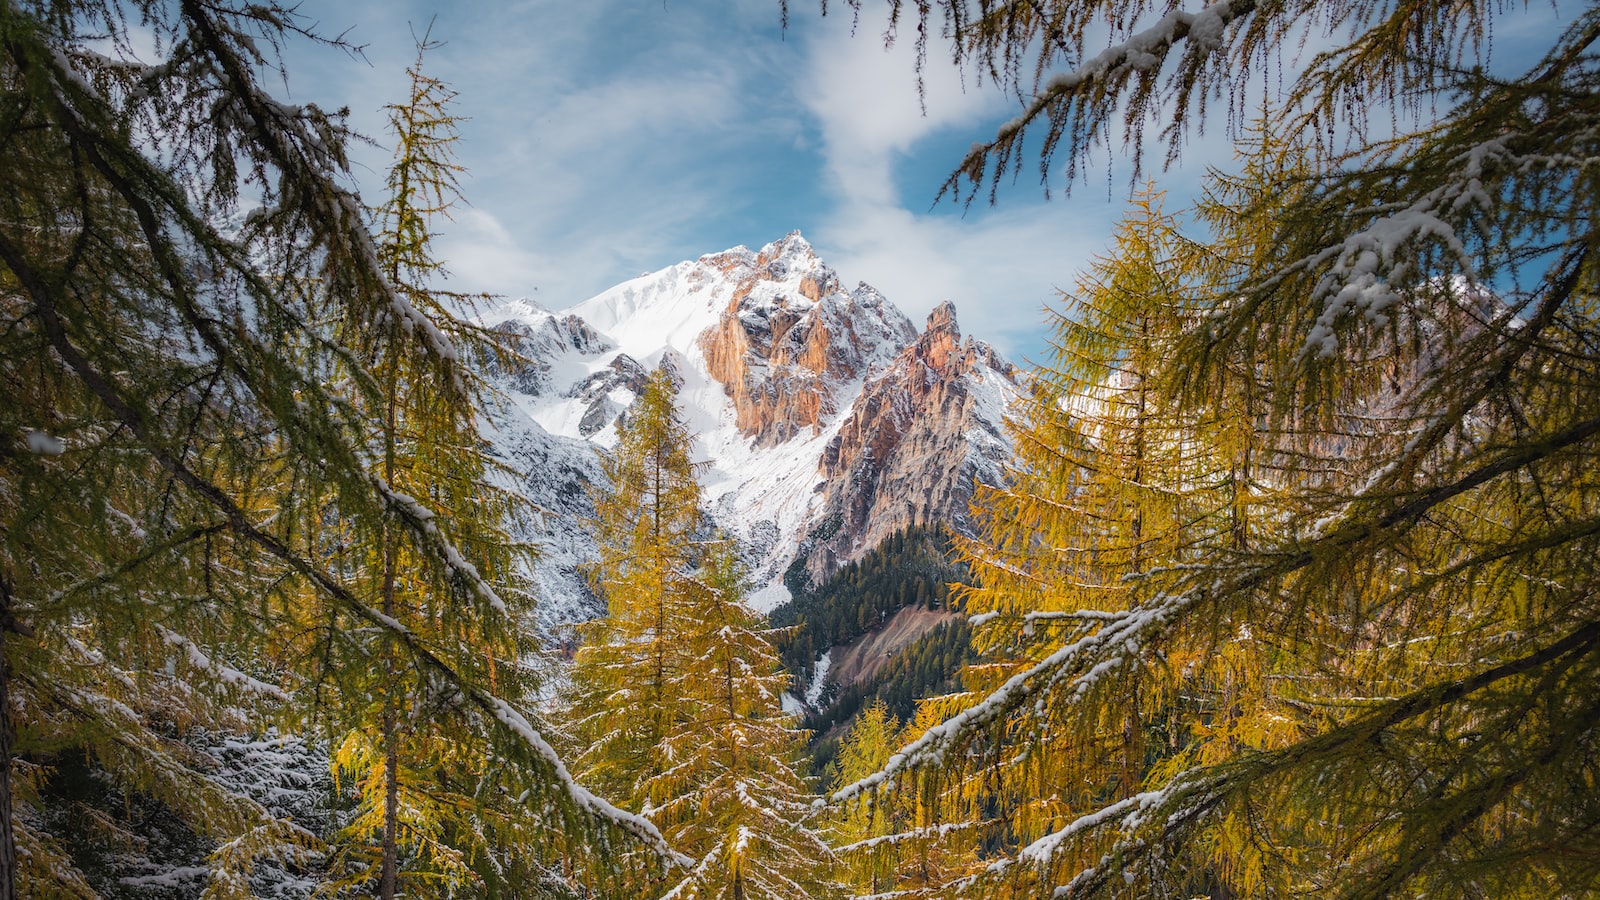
(482, 256)
(999, 272)
(865, 96)
(999, 267)
(599, 138)
(607, 138)
(594, 154)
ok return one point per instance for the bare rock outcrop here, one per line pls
(914, 444)
(532, 343)
(791, 344)
(824, 420)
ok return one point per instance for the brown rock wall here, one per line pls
(906, 454)
(783, 360)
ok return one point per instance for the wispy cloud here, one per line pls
(865, 98)
(1000, 268)
(600, 139)
(607, 138)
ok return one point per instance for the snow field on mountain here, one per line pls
(583, 363)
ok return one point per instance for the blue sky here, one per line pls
(606, 138)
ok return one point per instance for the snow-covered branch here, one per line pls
(225, 673)
(423, 523)
(1144, 51)
(1084, 661)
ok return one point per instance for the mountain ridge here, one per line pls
(824, 418)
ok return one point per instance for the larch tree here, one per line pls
(1107, 493)
(1387, 658)
(646, 525)
(867, 832)
(430, 818)
(677, 693)
(730, 795)
(194, 308)
(908, 842)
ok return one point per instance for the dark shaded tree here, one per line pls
(191, 301)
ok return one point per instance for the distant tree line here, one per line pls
(929, 666)
(911, 568)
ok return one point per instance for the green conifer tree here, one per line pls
(424, 814)
(193, 307)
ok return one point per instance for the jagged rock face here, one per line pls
(534, 341)
(623, 373)
(823, 420)
(914, 443)
(791, 341)
(559, 476)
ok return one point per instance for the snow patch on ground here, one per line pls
(819, 678)
(792, 706)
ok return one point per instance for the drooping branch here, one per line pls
(240, 523)
(1092, 87)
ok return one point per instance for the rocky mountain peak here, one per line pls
(792, 250)
(943, 321)
(790, 257)
(535, 336)
(790, 342)
(826, 420)
(941, 339)
(914, 442)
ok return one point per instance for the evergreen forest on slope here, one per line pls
(1289, 589)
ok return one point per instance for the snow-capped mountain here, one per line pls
(825, 420)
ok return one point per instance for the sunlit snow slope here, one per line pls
(773, 357)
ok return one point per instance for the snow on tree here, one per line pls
(195, 318)
(433, 815)
(645, 527)
(677, 692)
(1372, 613)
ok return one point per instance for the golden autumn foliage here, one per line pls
(242, 485)
(675, 700)
(1289, 591)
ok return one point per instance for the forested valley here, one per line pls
(1288, 587)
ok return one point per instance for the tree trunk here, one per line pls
(388, 874)
(8, 840)
(391, 803)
